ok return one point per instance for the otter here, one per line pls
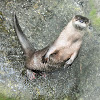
(61, 52)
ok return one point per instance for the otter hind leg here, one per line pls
(35, 74)
(51, 51)
(30, 74)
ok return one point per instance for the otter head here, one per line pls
(80, 22)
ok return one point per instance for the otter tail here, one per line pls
(26, 45)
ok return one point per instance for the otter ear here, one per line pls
(74, 17)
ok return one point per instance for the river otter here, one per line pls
(63, 50)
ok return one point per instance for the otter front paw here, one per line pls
(68, 63)
(45, 59)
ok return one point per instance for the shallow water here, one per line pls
(42, 21)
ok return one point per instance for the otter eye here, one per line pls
(81, 21)
(85, 22)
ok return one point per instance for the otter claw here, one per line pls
(31, 74)
(44, 59)
(69, 62)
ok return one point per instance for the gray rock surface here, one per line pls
(42, 21)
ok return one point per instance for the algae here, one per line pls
(2, 27)
(3, 97)
(93, 14)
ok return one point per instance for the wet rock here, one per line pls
(42, 21)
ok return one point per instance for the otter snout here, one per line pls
(81, 24)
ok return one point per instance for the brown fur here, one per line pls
(52, 57)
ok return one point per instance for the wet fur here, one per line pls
(65, 47)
